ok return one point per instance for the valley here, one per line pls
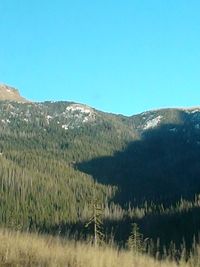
(59, 158)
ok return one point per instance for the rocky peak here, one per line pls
(10, 93)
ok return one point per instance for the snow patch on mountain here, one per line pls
(190, 110)
(80, 108)
(152, 123)
(65, 127)
(49, 117)
(79, 114)
(195, 110)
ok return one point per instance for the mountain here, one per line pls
(55, 156)
(159, 149)
(10, 93)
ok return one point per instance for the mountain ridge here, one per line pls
(54, 155)
(10, 94)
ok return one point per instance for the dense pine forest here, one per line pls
(58, 159)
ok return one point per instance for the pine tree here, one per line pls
(96, 219)
(135, 242)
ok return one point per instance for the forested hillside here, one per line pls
(57, 158)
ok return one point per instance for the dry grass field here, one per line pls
(23, 249)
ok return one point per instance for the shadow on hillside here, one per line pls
(161, 167)
(167, 228)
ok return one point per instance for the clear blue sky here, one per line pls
(118, 56)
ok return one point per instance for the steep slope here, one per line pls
(10, 93)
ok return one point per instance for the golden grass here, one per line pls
(23, 249)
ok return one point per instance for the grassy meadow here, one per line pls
(25, 249)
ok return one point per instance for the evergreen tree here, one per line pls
(135, 241)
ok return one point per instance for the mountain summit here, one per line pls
(10, 93)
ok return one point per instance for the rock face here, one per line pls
(10, 93)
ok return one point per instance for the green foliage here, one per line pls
(135, 242)
(47, 173)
